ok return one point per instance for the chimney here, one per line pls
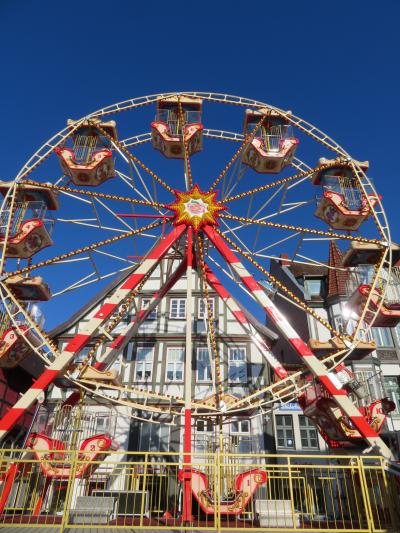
(283, 262)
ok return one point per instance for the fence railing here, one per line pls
(225, 492)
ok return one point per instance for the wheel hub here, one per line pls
(196, 208)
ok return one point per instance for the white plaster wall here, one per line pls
(317, 330)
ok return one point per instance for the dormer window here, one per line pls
(313, 288)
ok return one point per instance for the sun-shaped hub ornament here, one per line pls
(196, 208)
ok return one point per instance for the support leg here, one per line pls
(120, 342)
(97, 319)
(318, 369)
(8, 484)
(41, 498)
(240, 316)
(187, 443)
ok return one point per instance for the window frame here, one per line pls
(314, 295)
(174, 363)
(207, 424)
(104, 427)
(158, 430)
(208, 368)
(153, 312)
(393, 395)
(143, 362)
(308, 428)
(240, 422)
(368, 377)
(378, 334)
(178, 308)
(285, 428)
(201, 315)
(237, 363)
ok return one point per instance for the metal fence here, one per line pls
(227, 492)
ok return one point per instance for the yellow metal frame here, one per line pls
(323, 492)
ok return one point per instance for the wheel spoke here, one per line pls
(239, 151)
(283, 287)
(95, 194)
(186, 155)
(67, 255)
(135, 159)
(301, 175)
(290, 227)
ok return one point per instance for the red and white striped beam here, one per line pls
(246, 325)
(80, 340)
(317, 367)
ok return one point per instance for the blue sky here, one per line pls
(333, 63)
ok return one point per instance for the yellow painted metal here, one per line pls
(326, 493)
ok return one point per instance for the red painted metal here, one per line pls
(8, 484)
(187, 444)
(137, 215)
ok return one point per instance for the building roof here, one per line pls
(95, 300)
(300, 269)
(337, 278)
(308, 270)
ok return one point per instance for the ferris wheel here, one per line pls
(205, 182)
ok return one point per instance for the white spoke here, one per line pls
(233, 232)
(73, 285)
(79, 285)
(277, 242)
(74, 260)
(114, 257)
(76, 197)
(91, 225)
(316, 262)
(120, 220)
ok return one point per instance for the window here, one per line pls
(397, 329)
(237, 365)
(202, 309)
(154, 437)
(240, 426)
(339, 322)
(240, 438)
(313, 288)
(369, 379)
(391, 385)
(81, 356)
(382, 337)
(203, 364)
(102, 424)
(308, 434)
(284, 431)
(175, 358)
(203, 432)
(145, 304)
(204, 426)
(144, 363)
(177, 308)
